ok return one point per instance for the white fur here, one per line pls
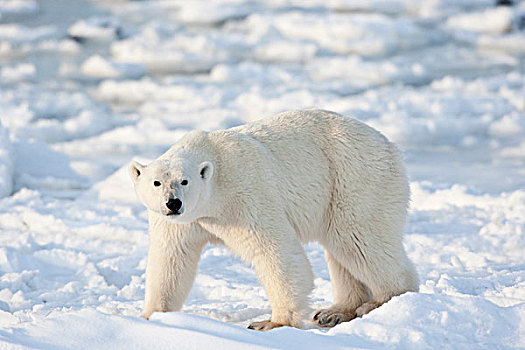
(270, 186)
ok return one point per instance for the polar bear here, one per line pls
(265, 188)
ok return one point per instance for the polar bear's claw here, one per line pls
(332, 317)
(264, 326)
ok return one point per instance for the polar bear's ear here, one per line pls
(206, 170)
(135, 169)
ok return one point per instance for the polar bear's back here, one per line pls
(325, 129)
(327, 141)
(324, 161)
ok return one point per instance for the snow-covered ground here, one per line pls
(86, 86)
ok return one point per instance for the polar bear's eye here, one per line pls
(156, 183)
(184, 182)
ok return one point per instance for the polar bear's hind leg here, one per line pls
(349, 294)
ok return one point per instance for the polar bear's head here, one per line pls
(177, 187)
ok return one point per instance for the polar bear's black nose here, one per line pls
(174, 205)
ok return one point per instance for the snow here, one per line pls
(365, 34)
(6, 163)
(88, 86)
(20, 33)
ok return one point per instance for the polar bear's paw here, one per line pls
(146, 313)
(366, 308)
(264, 326)
(333, 316)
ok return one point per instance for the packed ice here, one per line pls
(88, 86)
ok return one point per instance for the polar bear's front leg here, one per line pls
(281, 266)
(285, 272)
(173, 257)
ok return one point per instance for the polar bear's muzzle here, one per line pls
(175, 206)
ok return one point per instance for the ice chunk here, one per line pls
(493, 20)
(164, 48)
(18, 7)
(17, 73)
(98, 67)
(96, 28)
